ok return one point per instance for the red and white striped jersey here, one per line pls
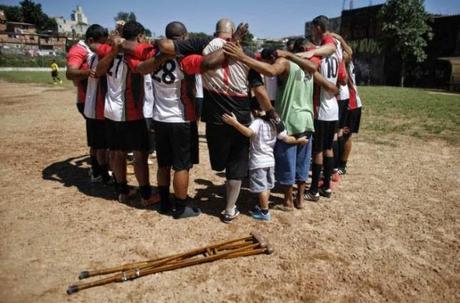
(149, 100)
(355, 100)
(124, 100)
(78, 56)
(95, 93)
(230, 79)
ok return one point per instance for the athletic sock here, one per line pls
(335, 148)
(316, 172)
(122, 187)
(95, 168)
(343, 164)
(328, 167)
(145, 191)
(341, 147)
(165, 204)
(104, 171)
(233, 188)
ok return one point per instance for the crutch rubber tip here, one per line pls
(269, 250)
(72, 289)
(259, 239)
(83, 275)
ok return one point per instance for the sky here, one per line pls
(267, 18)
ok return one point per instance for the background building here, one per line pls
(76, 26)
(22, 38)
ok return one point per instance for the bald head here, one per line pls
(225, 26)
(175, 30)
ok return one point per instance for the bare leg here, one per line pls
(141, 169)
(180, 184)
(287, 202)
(347, 149)
(263, 199)
(119, 165)
(298, 203)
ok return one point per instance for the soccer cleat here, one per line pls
(227, 218)
(325, 192)
(335, 177)
(308, 195)
(95, 179)
(257, 214)
(342, 171)
(183, 212)
(152, 200)
(125, 198)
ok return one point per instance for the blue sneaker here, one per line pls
(257, 214)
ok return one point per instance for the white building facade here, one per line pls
(77, 25)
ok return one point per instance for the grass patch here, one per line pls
(33, 77)
(410, 111)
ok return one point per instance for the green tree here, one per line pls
(12, 13)
(273, 44)
(32, 13)
(200, 35)
(405, 30)
(125, 16)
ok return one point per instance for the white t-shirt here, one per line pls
(271, 84)
(262, 144)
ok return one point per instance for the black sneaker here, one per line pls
(323, 192)
(185, 212)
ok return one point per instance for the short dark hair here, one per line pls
(268, 53)
(300, 43)
(132, 29)
(321, 21)
(96, 32)
(291, 41)
(175, 29)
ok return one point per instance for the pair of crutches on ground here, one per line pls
(246, 246)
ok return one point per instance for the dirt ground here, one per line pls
(390, 232)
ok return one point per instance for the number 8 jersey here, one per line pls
(174, 103)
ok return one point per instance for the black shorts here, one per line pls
(151, 131)
(81, 108)
(228, 149)
(96, 133)
(323, 135)
(343, 112)
(353, 120)
(54, 73)
(175, 145)
(127, 135)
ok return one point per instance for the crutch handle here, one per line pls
(83, 275)
(72, 289)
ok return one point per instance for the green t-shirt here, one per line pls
(294, 101)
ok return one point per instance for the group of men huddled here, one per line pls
(300, 113)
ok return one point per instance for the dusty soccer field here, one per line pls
(390, 233)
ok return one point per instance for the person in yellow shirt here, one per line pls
(55, 73)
